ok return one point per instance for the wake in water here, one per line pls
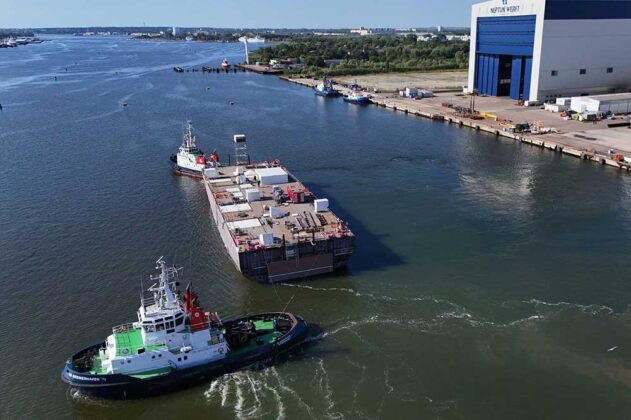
(455, 311)
(252, 394)
(592, 309)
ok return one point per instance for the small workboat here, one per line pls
(325, 88)
(355, 96)
(176, 344)
(225, 64)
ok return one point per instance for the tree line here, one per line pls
(368, 54)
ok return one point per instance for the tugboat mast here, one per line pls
(189, 137)
(163, 294)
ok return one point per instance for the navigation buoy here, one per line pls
(231, 103)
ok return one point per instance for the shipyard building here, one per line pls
(543, 49)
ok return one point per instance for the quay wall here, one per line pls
(554, 144)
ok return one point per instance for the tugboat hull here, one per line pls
(327, 93)
(357, 101)
(121, 386)
(178, 170)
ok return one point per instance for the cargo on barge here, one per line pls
(272, 226)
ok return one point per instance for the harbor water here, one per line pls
(490, 278)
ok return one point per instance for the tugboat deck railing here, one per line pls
(123, 328)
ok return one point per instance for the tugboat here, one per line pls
(190, 160)
(356, 96)
(176, 344)
(325, 88)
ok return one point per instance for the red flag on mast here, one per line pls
(187, 298)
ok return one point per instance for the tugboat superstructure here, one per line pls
(175, 343)
(168, 334)
(325, 88)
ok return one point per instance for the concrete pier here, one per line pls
(259, 69)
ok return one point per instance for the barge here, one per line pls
(272, 226)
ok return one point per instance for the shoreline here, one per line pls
(556, 142)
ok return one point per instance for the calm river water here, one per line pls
(490, 279)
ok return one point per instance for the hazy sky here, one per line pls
(235, 13)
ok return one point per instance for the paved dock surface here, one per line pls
(259, 69)
(586, 140)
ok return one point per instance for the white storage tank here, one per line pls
(616, 103)
(272, 176)
(252, 194)
(555, 107)
(564, 101)
(250, 175)
(321, 204)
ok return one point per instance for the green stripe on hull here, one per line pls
(152, 373)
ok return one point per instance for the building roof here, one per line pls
(609, 97)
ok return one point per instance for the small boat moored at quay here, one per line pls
(325, 88)
(225, 64)
(190, 160)
(175, 344)
(356, 96)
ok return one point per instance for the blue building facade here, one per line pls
(541, 49)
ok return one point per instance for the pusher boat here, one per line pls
(175, 344)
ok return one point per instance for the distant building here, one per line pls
(425, 36)
(458, 37)
(361, 31)
(329, 33)
(175, 31)
(538, 50)
(439, 28)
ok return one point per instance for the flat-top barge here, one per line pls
(273, 227)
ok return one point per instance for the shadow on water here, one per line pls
(371, 253)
